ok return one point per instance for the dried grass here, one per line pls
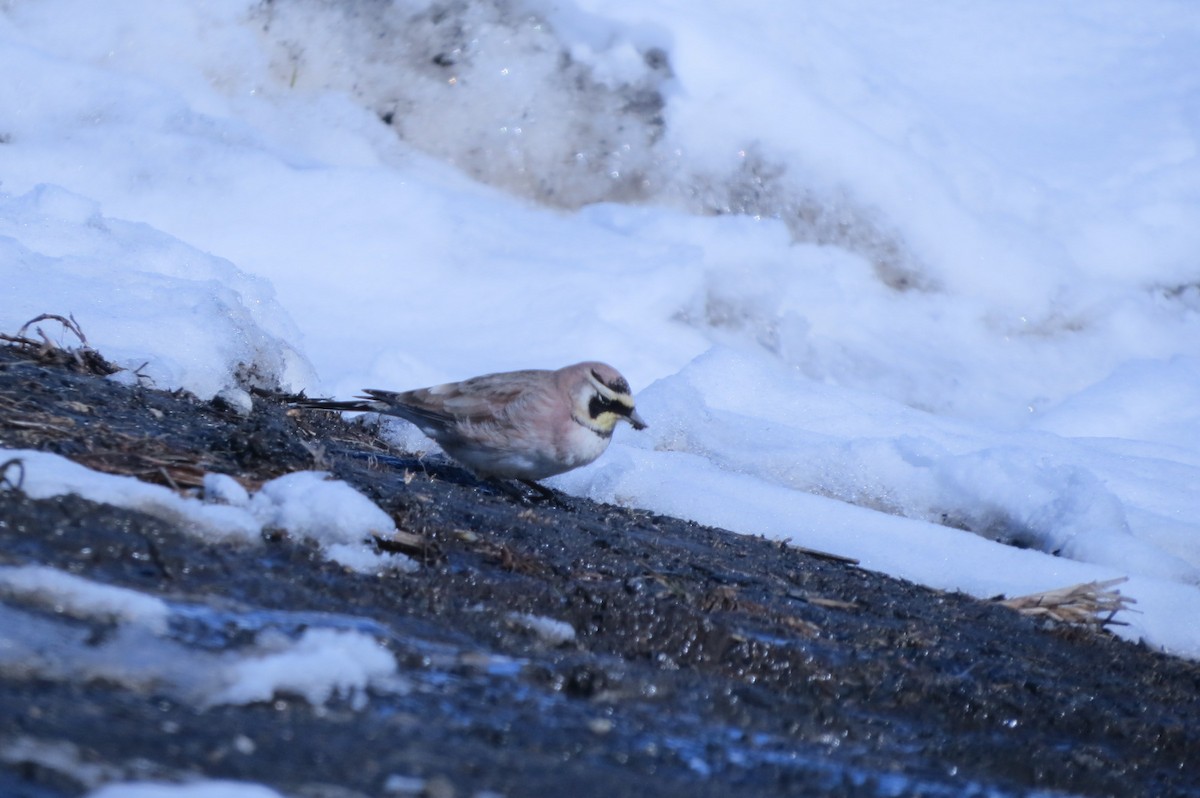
(82, 358)
(1093, 604)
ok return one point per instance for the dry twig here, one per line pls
(84, 358)
(176, 471)
(67, 322)
(8, 483)
(404, 543)
(822, 555)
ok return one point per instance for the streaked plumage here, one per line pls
(525, 425)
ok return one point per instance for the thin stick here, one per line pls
(68, 322)
(16, 464)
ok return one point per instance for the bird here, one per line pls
(520, 425)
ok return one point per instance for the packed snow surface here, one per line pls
(913, 283)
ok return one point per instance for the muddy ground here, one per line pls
(705, 663)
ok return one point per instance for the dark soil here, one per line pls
(705, 663)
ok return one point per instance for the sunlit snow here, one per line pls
(913, 283)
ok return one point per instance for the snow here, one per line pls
(911, 283)
(47, 475)
(306, 504)
(321, 664)
(76, 596)
(550, 631)
(310, 505)
(130, 282)
(145, 651)
(212, 788)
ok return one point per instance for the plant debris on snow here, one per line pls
(1085, 604)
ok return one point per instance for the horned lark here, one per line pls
(524, 425)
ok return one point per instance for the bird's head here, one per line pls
(602, 397)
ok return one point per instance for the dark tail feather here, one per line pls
(354, 405)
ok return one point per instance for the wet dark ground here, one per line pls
(705, 663)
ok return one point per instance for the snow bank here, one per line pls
(765, 451)
(1035, 491)
(175, 315)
